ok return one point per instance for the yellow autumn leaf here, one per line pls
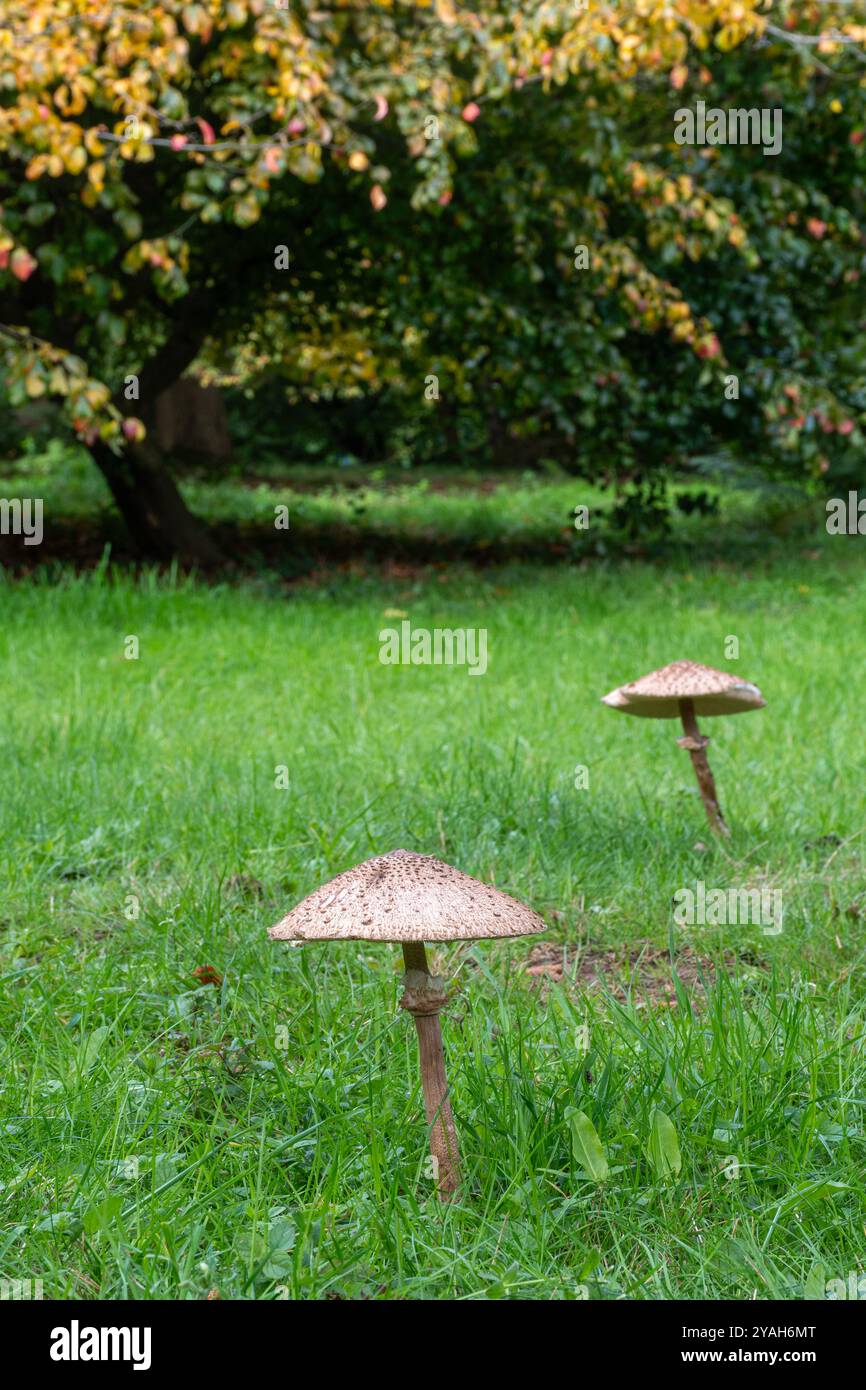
(97, 395)
(76, 159)
(446, 12)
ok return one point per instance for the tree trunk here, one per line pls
(147, 497)
(190, 419)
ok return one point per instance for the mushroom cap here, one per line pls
(403, 896)
(658, 695)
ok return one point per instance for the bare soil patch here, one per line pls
(642, 970)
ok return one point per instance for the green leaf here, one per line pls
(129, 223)
(807, 1192)
(816, 1281)
(586, 1146)
(38, 213)
(506, 1285)
(103, 1216)
(663, 1149)
(590, 1265)
(60, 1223)
(246, 211)
(91, 1046)
(269, 1252)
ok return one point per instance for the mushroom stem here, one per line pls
(696, 743)
(423, 997)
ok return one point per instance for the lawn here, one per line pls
(330, 513)
(262, 1134)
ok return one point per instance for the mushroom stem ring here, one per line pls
(696, 744)
(424, 996)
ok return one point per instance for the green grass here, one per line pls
(161, 1138)
(448, 506)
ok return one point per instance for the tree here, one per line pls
(188, 167)
(598, 294)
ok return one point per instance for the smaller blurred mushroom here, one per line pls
(413, 898)
(687, 689)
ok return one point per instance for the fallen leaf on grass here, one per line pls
(206, 975)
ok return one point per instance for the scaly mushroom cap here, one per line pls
(658, 695)
(403, 896)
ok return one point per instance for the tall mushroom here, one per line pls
(687, 689)
(413, 898)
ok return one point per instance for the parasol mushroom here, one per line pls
(413, 898)
(687, 689)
